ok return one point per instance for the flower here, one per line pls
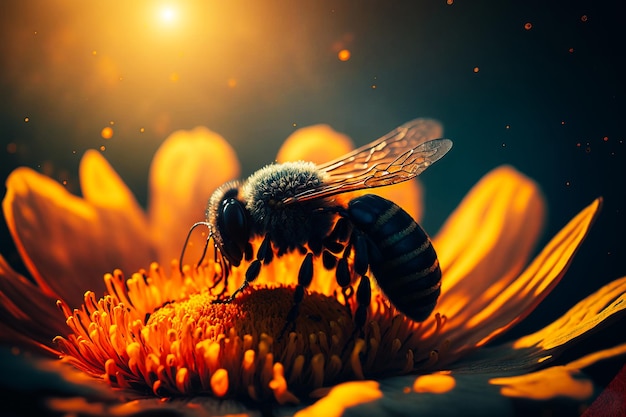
(158, 335)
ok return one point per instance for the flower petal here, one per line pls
(470, 396)
(511, 304)
(556, 381)
(488, 238)
(607, 305)
(342, 397)
(317, 143)
(321, 143)
(27, 315)
(64, 239)
(608, 302)
(185, 171)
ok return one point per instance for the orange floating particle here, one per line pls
(606, 138)
(571, 50)
(583, 18)
(343, 55)
(476, 69)
(449, 2)
(103, 148)
(11, 147)
(106, 133)
(142, 129)
(528, 26)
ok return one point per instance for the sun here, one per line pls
(167, 14)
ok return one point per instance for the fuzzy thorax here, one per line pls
(264, 191)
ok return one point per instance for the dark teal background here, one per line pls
(556, 115)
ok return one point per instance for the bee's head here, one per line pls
(229, 222)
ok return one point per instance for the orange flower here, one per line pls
(157, 335)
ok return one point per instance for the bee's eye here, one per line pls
(234, 229)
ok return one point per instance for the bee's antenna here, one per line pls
(206, 245)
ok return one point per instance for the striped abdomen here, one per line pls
(401, 256)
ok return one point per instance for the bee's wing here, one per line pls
(400, 155)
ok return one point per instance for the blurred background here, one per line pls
(535, 84)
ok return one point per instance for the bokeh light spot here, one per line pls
(583, 18)
(103, 148)
(343, 55)
(232, 82)
(26, 119)
(174, 77)
(11, 147)
(528, 26)
(476, 69)
(141, 130)
(106, 133)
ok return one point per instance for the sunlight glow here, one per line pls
(168, 14)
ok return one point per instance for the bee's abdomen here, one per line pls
(402, 257)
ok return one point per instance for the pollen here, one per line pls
(163, 334)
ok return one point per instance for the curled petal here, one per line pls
(518, 299)
(63, 238)
(185, 171)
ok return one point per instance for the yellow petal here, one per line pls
(68, 243)
(185, 171)
(317, 143)
(519, 298)
(556, 381)
(342, 397)
(487, 241)
(580, 319)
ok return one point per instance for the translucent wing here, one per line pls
(400, 155)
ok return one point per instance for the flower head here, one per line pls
(158, 334)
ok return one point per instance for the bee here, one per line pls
(294, 206)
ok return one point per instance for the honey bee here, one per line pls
(293, 206)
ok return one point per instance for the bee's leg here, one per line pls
(264, 255)
(222, 275)
(363, 292)
(363, 299)
(305, 276)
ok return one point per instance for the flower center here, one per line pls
(248, 349)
